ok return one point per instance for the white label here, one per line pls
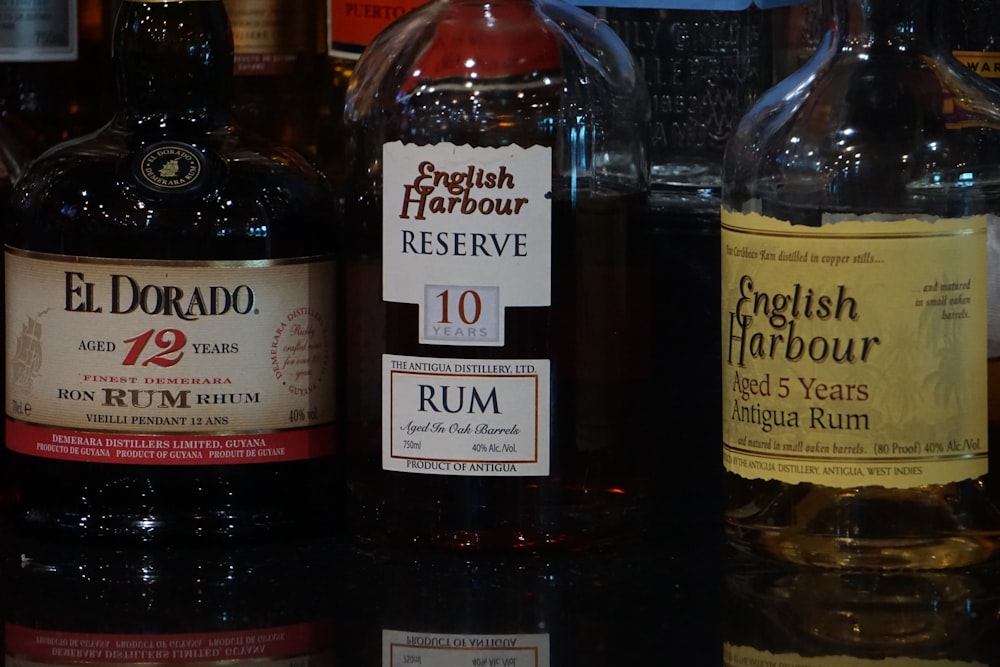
(467, 232)
(428, 649)
(482, 417)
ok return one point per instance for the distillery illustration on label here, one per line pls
(170, 166)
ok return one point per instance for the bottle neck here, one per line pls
(893, 24)
(174, 63)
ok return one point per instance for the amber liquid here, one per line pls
(596, 334)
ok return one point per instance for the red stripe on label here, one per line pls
(170, 449)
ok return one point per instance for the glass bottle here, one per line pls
(277, 67)
(497, 354)
(170, 310)
(859, 201)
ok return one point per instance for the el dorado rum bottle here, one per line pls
(170, 320)
(858, 289)
(496, 294)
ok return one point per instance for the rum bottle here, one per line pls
(858, 328)
(496, 292)
(278, 62)
(170, 310)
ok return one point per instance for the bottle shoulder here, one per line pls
(119, 186)
(862, 130)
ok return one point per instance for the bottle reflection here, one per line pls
(269, 605)
(813, 618)
(626, 607)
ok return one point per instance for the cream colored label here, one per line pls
(983, 63)
(854, 353)
(434, 649)
(466, 417)
(169, 362)
(744, 656)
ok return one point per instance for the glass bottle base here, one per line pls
(869, 528)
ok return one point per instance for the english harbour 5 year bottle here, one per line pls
(495, 288)
(858, 287)
(169, 309)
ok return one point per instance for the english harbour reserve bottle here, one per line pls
(170, 309)
(858, 303)
(495, 287)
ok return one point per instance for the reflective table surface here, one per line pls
(680, 601)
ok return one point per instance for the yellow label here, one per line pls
(854, 353)
(983, 63)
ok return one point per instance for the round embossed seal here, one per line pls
(169, 167)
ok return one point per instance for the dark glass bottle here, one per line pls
(858, 327)
(973, 29)
(55, 60)
(497, 352)
(92, 604)
(170, 316)
(703, 68)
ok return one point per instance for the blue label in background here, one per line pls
(703, 5)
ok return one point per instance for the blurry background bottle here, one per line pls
(704, 68)
(973, 29)
(797, 33)
(350, 26)
(810, 617)
(90, 605)
(859, 206)
(278, 63)
(497, 351)
(183, 385)
(57, 83)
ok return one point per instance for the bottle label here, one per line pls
(466, 233)
(854, 353)
(169, 362)
(41, 30)
(432, 649)
(270, 36)
(985, 64)
(744, 656)
(286, 646)
(477, 417)
(354, 24)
